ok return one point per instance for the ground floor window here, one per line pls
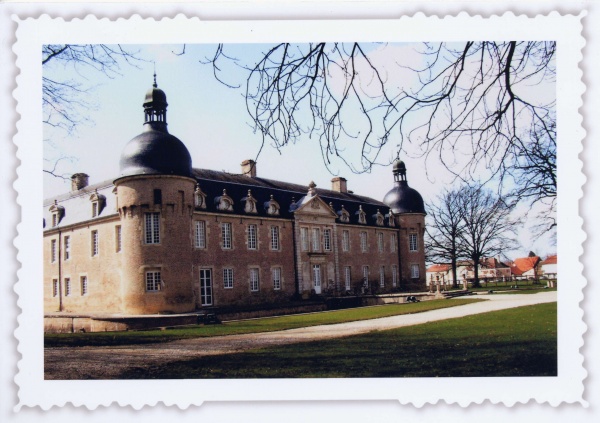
(276, 278)
(153, 281)
(382, 276)
(228, 278)
(254, 285)
(347, 278)
(414, 271)
(206, 295)
(316, 268)
(394, 275)
(55, 287)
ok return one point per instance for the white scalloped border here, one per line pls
(566, 388)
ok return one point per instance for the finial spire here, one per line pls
(154, 85)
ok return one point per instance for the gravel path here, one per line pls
(110, 362)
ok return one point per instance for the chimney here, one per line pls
(249, 168)
(78, 181)
(339, 184)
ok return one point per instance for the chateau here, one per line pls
(165, 237)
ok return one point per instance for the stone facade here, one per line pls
(168, 238)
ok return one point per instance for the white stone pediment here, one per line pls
(315, 206)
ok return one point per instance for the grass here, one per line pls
(514, 342)
(245, 326)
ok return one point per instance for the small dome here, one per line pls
(155, 152)
(402, 198)
(154, 97)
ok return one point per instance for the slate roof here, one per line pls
(78, 207)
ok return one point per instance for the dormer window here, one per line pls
(98, 203)
(391, 220)
(58, 212)
(272, 207)
(379, 218)
(362, 216)
(250, 203)
(224, 202)
(199, 198)
(344, 215)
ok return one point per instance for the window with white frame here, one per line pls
(95, 244)
(382, 276)
(275, 238)
(54, 219)
(153, 281)
(55, 287)
(276, 272)
(316, 239)
(254, 284)
(394, 275)
(363, 242)
(67, 287)
(83, 281)
(327, 239)
(200, 234)
(393, 242)
(226, 236)
(95, 209)
(345, 241)
(365, 275)
(227, 278)
(412, 242)
(252, 229)
(414, 271)
(152, 226)
(380, 242)
(53, 251)
(347, 278)
(118, 239)
(67, 242)
(304, 239)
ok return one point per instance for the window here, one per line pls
(274, 237)
(84, 285)
(94, 209)
(228, 278)
(276, 278)
(380, 242)
(55, 287)
(347, 278)
(327, 239)
(412, 242)
(226, 235)
(153, 281)
(157, 196)
(200, 234)
(206, 287)
(53, 251)
(95, 248)
(304, 238)
(393, 242)
(54, 219)
(254, 280)
(414, 271)
(67, 287)
(118, 242)
(345, 241)
(316, 239)
(363, 242)
(394, 275)
(252, 237)
(382, 276)
(67, 242)
(152, 228)
(365, 275)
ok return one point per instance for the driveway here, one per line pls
(109, 362)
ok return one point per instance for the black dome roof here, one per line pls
(155, 152)
(402, 198)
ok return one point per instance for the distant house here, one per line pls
(490, 268)
(526, 267)
(441, 272)
(550, 267)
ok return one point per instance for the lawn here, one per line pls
(246, 326)
(514, 342)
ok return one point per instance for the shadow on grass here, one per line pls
(515, 342)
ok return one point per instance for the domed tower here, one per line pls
(155, 202)
(409, 210)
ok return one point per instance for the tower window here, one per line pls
(412, 243)
(200, 234)
(152, 226)
(157, 196)
(118, 243)
(153, 281)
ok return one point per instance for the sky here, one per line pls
(212, 121)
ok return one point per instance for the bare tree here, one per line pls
(488, 229)
(443, 230)
(66, 86)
